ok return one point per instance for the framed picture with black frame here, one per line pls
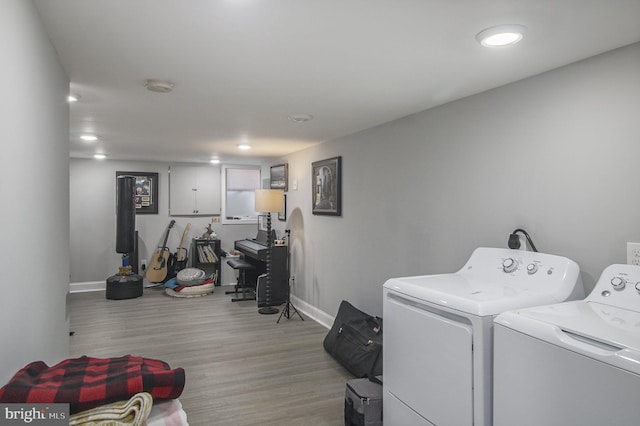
(326, 185)
(146, 187)
(279, 177)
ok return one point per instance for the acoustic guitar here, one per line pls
(181, 254)
(159, 266)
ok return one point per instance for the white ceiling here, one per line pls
(241, 67)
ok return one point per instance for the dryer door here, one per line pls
(428, 360)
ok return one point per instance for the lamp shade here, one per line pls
(269, 200)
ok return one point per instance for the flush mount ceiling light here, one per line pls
(214, 161)
(300, 118)
(501, 35)
(89, 138)
(158, 86)
(243, 146)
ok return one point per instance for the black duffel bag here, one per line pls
(355, 341)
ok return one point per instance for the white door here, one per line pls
(208, 194)
(428, 361)
(182, 191)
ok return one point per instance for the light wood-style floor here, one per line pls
(241, 367)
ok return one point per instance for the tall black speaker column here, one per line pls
(125, 284)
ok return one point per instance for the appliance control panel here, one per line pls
(619, 285)
(506, 265)
(511, 265)
(531, 265)
(518, 270)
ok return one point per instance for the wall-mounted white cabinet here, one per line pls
(194, 190)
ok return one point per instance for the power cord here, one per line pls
(514, 241)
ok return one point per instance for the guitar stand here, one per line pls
(286, 311)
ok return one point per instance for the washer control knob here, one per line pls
(509, 265)
(638, 287)
(617, 283)
(532, 268)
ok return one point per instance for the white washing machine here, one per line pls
(573, 363)
(438, 332)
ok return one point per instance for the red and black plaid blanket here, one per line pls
(86, 382)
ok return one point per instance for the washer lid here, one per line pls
(600, 331)
(610, 325)
(473, 296)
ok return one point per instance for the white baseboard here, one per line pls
(98, 286)
(87, 286)
(312, 312)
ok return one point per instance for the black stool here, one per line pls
(241, 266)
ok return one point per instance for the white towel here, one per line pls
(133, 412)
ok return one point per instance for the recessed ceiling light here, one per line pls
(99, 156)
(501, 35)
(243, 146)
(89, 138)
(72, 97)
(300, 118)
(158, 86)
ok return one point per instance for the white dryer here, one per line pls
(438, 332)
(573, 363)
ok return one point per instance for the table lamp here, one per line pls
(268, 201)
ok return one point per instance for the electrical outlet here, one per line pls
(633, 253)
(523, 242)
(143, 264)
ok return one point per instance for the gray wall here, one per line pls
(93, 219)
(35, 194)
(556, 154)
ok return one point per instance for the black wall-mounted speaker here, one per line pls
(126, 215)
